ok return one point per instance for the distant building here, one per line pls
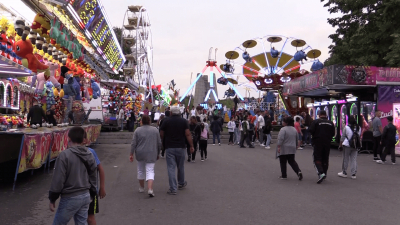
(201, 89)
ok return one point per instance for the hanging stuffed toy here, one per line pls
(41, 25)
(68, 87)
(24, 49)
(96, 89)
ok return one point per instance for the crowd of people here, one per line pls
(178, 138)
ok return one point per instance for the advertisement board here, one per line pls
(389, 104)
(93, 20)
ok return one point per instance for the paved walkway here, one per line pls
(235, 186)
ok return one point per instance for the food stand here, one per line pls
(36, 54)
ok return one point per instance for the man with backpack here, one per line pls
(352, 143)
(322, 131)
(74, 179)
(389, 141)
(245, 133)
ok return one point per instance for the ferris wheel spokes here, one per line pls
(280, 55)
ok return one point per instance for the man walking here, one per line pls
(260, 127)
(389, 141)
(174, 131)
(322, 131)
(74, 179)
(377, 133)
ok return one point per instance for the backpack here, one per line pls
(193, 132)
(251, 127)
(354, 141)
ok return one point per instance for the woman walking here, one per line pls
(204, 136)
(194, 129)
(231, 130)
(146, 145)
(288, 140)
(349, 154)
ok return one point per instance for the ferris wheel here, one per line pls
(270, 61)
(138, 36)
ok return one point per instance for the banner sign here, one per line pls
(35, 151)
(36, 146)
(389, 104)
(308, 82)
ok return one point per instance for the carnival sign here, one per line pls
(91, 17)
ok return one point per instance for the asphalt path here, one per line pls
(234, 186)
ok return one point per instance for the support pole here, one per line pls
(19, 160)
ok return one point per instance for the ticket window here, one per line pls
(354, 111)
(2, 93)
(317, 112)
(326, 109)
(334, 118)
(343, 118)
(311, 112)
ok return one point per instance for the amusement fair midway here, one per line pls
(68, 67)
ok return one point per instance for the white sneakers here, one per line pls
(267, 147)
(380, 161)
(151, 193)
(262, 145)
(300, 148)
(341, 174)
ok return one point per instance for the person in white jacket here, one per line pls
(231, 129)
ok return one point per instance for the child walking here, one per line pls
(231, 129)
(204, 136)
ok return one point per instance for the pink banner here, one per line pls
(35, 151)
(388, 74)
(37, 145)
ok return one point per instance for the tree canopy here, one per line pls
(368, 32)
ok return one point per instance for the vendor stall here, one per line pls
(349, 90)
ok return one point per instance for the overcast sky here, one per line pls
(183, 31)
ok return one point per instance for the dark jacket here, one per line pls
(216, 126)
(389, 135)
(35, 115)
(322, 131)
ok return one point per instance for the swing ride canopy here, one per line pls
(270, 69)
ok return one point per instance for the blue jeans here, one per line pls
(237, 136)
(76, 207)
(216, 135)
(268, 139)
(175, 158)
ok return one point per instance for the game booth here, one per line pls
(342, 91)
(57, 60)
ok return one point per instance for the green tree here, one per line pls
(368, 32)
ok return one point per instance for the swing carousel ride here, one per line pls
(269, 70)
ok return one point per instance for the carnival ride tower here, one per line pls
(210, 64)
(138, 36)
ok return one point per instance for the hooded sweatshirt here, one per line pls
(70, 177)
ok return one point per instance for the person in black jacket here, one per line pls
(216, 128)
(195, 130)
(388, 141)
(35, 115)
(322, 131)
